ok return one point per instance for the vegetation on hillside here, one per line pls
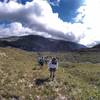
(77, 78)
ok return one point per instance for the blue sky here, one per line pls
(71, 20)
(67, 9)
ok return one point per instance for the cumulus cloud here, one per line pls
(89, 16)
(54, 2)
(37, 17)
(14, 29)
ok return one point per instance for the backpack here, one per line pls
(54, 61)
(40, 60)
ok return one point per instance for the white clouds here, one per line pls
(54, 2)
(36, 17)
(14, 29)
(90, 17)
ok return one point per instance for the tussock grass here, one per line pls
(22, 79)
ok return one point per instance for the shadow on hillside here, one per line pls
(9, 96)
(41, 81)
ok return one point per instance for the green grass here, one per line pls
(21, 78)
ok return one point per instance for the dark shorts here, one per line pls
(41, 63)
(52, 69)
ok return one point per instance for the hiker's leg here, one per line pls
(54, 73)
(41, 65)
(50, 73)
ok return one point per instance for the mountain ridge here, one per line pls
(39, 43)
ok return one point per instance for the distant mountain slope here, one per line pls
(38, 43)
(97, 46)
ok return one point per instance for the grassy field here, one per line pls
(77, 78)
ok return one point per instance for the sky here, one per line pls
(71, 20)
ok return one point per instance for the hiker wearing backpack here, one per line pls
(41, 61)
(52, 66)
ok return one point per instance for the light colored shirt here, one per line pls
(50, 65)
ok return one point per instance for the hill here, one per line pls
(21, 78)
(39, 43)
(96, 47)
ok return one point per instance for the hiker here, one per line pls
(52, 66)
(46, 60)
(41, 61)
